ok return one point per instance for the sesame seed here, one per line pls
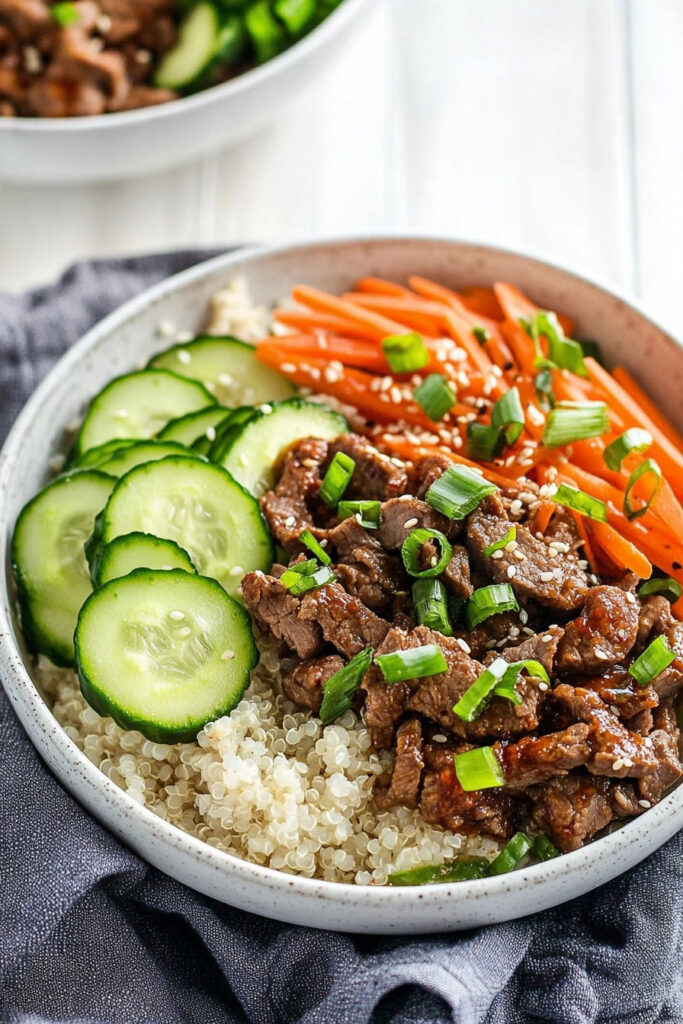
(288, 368)
(497, 554)
(647, 741)
(630, 597)
(227, 655)
(600, 654)
(266, 408)
(628, 763)
(546, 577)
(226, 380)
(143, 56)
(543, 686)
(515, 506)
(237, 570)
(520, 556)
(463, 645)
(103, 23)
(177, 616)
(410, 523)
(433, 561)
(290, 521)
(524, 616)
(645, 803)
(211, 433)
(184, 356)
(511, 571)
(618, 765)
(546, 638)
(439, 738)
(511, 545)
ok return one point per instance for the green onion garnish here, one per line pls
(265, 31)
(579, 501)
(478, 769)
(299, 582)
(487, 601)
(575, 421)
(65, 14)
(414, 663)
(661, 585)
(294, 13)
(511, 855)
(632, 440)
(431, 605)
(405, 353)
(458, 491)
(366, 512)
(507, 685)
(543, 848)
(435, 396)
(337, 477)
(508, 415)
(484, 443)
(498, 545)
(648, 467)
(481, 334)
(460, 870)
(340, 688)
(314, 546)
(477, 696)
(655, 658)
(412, 546)
(563, 353)
(543, 384)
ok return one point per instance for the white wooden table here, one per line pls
(554, 126)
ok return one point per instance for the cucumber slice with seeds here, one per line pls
(125, 459)
(163, 652)
(49, 562)
(198, 41)
(94, 457)
(138, 551)
(138, 405)
(227, 367)
(251, 453)
(196, 504)
(195, 426)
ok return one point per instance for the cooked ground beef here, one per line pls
(576, 753)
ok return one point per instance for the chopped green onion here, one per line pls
(661, 585)
(412, 546)
(431, 605)
(298, 582)
(484, 443)
(563, 353)
(461, 869)
(309, 541)
(405, 353)
(478, 769)
(435, 396)
(543, 383)
(543, 848)
(458, 491)
(498, 545)
(648, 467)
(265, 31)
(337, 477)
(414, 663)
(507, 686)
(579, 501)
(508, 415)
(655, 658)
(632, 440)
(477, 696)
(340, 688)
(592, 349)
(487, 601)
(511, 855)
(575, 421)
(366, 512)
(295, 13)
(65, 14)
(481, 334)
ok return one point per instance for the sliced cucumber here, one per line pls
(196, 504)
(122, 461)
(198, 41)
(163, 652)
(138, 405)
(250, 454)
(188, 429)
(138, 551)
(94, 457)
(227, 367)
(228, 428)
(49, 563)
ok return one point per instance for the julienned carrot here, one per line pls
(667, 455)
(619, 550)
(353, 387)
(483, 301)
(623, 377)
(315, 299)
(544, 514)
(380, 286)
(516, 307)
(415, 313)
(364, 355)
(588, 551)
(304, 320)
(410, 450)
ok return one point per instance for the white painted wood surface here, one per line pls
(554, 126)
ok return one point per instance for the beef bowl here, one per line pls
(100, 92)
(359, 606)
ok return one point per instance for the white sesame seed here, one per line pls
(237, 570)
(515, 506)
(266, 408)
(103, 23)
(600, 654)
(618, 765)
(211, 433)
(463, 645)
(520, 556)
(143, 56)
(647, 741)
(628, 763)
(177, 616)
(290, 521)
(433, 561)
(410, 523)
(439, 738)
(546, 638)
(288, 368)
(645, 803)
(631, 598)
(165, 329)
(497, 554)
(227, 655)
(523, 616)
(184, 356)
(511, 545)
(543, 686)
(546, 577)
(511, 571)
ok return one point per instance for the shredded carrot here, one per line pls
(315, 299)
(588, 551)
(427, 317)
(379, 286)
(483, 301)
(411, 451)
(619, 550)
(364, 355)
(304, 320)
(544, 514)
(633, 389)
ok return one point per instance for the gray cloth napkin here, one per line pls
(90, 933)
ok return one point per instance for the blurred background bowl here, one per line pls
(137, 142)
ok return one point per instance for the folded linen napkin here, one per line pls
(91, 933)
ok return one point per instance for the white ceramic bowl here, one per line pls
(116, 345)
(136, 142)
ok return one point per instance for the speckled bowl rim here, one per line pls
(22, 690)
(232, 89)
